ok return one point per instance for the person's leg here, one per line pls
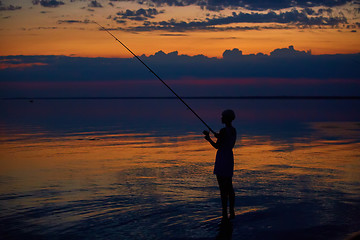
(224, 195)
(231, 199)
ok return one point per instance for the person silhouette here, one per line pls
(224, 161)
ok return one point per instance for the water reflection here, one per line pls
(112, 183)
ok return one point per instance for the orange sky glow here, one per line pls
(66, 29)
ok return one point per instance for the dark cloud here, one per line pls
(95, 4)
(184, 27)
(216, 5)
(9, 8)
(48, 3)
(318, 12)
(74, 21)
(232, 54)
(138, 15)
(40, 28)
(288, 52)
(285, 71)
(293, 17)
(173, 34)
(282, 62)
(309, 11)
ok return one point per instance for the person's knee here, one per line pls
(224, 194)
(232, 195)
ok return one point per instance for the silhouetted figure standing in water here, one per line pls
(224, 163)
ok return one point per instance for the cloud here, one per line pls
(95, 4)
(183, 27)
(20, 65)
(289, 19)
(216, 5)
(294, 17)
(232, 54)
(173, 34)
(39, 28)
(137, 15)
(282, 62)
(9, 8)
(289, 52)
(48, 3)
(86, 21)
(286, 71)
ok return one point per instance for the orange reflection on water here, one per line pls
(315, 154)
(332, 153)
(104, 159)
(92, 155)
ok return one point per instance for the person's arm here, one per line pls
(208, 138)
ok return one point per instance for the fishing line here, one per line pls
(158, 78)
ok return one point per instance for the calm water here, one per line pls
(140, 169)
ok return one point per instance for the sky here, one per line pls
(192, 27)
(202, 47)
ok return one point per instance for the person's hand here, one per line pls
(207, 136)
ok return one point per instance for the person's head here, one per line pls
(227, 116)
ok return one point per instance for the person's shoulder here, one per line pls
(222, 132)
(233, 130)
(229, 128)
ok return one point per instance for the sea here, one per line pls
(139, 168)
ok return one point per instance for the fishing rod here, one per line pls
(158, 78)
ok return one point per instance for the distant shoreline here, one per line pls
(200, 97)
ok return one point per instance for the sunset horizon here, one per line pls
(64, 27)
